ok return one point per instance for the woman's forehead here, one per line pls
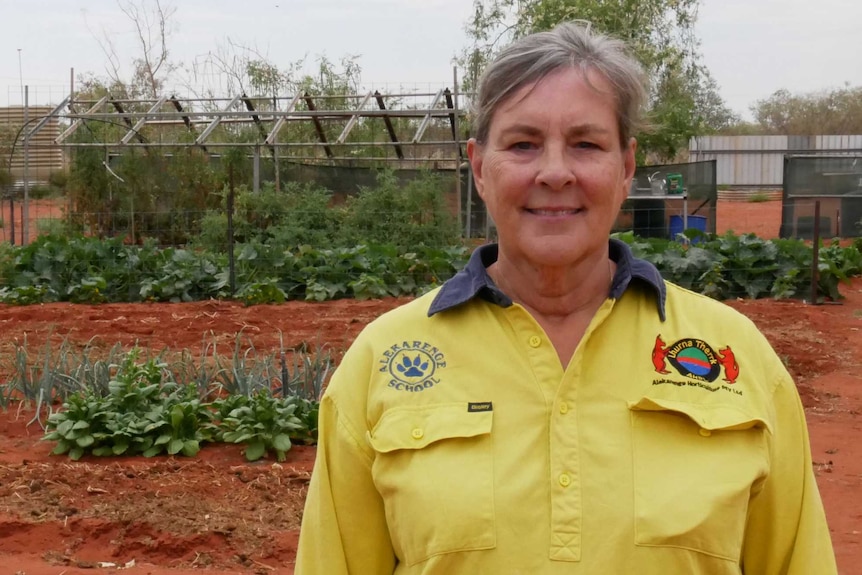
(551, 93)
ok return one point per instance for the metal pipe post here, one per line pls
(815, 258)
(25, 209)
(256, 167)
(457, 139)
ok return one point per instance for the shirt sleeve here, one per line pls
(344, 530)
(787, 532)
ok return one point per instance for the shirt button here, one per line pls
(418, 433)
(705, 432)
(564, 408)
(565, 480)
(535, 341)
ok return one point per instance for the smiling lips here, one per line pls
(553, 211)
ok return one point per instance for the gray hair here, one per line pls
(533, 57)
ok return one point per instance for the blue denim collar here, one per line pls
(473, 281)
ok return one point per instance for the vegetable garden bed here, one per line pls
(178, 515)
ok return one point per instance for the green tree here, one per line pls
(684, 100)
(837, 111)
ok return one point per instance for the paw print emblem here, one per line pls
(412, 368)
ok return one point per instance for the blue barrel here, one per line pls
(696, 222)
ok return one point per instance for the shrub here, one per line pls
(299, 215)
(58, 179)
(758, 198)
(52, 226)
(39, 192)
(402, 214)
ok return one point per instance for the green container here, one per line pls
(674, 184)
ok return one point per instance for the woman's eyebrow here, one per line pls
(587, 129)
(521, 129)
(577, 130)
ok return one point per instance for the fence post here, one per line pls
(230, 255)
(12, 221)
(815, 258)
(25, 214)
(457, 129)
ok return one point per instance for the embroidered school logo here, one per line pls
(695, 359)
(412, 365)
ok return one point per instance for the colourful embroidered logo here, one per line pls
(412, 365)
(695, 359)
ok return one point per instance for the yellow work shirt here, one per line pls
(452, 441)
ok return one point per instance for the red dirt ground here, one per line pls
(217, 512)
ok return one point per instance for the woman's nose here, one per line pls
(555, 169)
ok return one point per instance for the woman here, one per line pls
(556, 407)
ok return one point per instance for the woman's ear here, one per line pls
(474, 154)
(630, 163)
(629, 167)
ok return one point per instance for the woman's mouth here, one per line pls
(553, 212)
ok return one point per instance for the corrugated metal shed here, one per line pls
(44, 158)
(758, 161)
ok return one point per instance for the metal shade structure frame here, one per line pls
(201, 117)
(214, 124)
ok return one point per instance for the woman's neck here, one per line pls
(555, 293)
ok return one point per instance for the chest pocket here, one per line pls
(435, 472)
(695, 470)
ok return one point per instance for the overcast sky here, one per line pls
(752, 47)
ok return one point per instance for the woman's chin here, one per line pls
(556, 251)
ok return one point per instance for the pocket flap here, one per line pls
(712, 417)
(418, 427)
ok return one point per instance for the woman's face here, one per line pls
(552, 171)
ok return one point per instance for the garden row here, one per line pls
(90, 270)
(119, 404)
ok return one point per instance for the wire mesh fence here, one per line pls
(835, 182)
(164, 218)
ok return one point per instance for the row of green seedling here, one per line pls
(146, 412)
(55, 372)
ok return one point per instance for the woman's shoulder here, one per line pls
(686, 301)
(408, 313)
(738, 336)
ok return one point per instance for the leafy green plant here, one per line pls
(185, 276)
(76, 428)
(178, 423)
(89, 290)
(264, 423)
(144, 412)
(89, 270)
(260, 292)
(26, 295)
(747, 266)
